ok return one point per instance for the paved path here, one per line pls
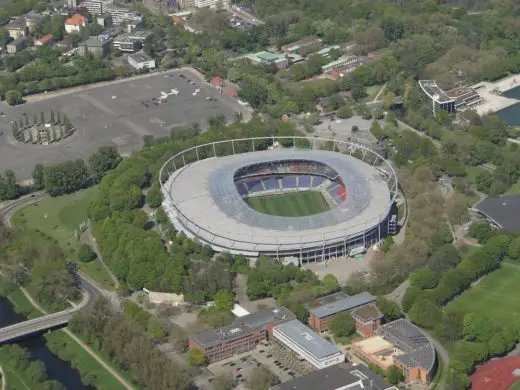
(93, 243)
(379, 93)
(107, 367)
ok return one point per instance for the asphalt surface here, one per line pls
(118, 114)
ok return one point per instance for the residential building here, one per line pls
(322, 310)
(161, 7)
(338, 377)
(368, 319)
(72, 3)
(17, 45)
(75, 22)
(439, 99)
(181, 20)
(265, 58)
(134, 41)
(31, 20)
(308, 344)
(96, 7)
(104, 19)
(244, 334)
(134, 23)
(98, 46)
(403, 344)
(303, 47)
(46, 39)
(210, 3)
(17, 27)
(141, 60)
(119, 12)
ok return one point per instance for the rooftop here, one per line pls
(419, 351)
(244, 325)
(503, 210)
(367, 313)
(17, 41)
(263, 56)
(339, 302)
(18, 23)
(76, 20)
(434, 92)
(45, 39)
(307, 339)
(343, 375)
(140, 56)
(97, 41)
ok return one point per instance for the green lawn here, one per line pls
(516, 386)
(22, 305)
(59, 218)
(514, 190)
(494, 296)
(293, 204)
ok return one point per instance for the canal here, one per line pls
(57, 369)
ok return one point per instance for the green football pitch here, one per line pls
(292, 204)
(494, 296)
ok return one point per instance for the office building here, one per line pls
(307, 344)
(244, 334)
(97, 46)
(141, 60)
(133, 41)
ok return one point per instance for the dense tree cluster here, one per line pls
(129, 346)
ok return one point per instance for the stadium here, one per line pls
(256, 197)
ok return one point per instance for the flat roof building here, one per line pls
(322, 310)
(17, 45)
(338, 377)
(98, 46)
(132, 41)
(440, 100)
(244, 334)
(141, 60)
(502, 211)
(264, 58)
(308, 344)
(303, 46)
(401, 343)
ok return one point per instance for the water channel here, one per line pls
(57, 369)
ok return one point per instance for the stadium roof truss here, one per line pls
(202, 200)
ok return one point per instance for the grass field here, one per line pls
(494, 296)
(59, 218)
(293, 204)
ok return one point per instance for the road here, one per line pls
(9, 207)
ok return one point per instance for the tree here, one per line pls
(38, 176)
(42, 117)
(481, 231)
(154, 197)
(444, 258)
(390, 309)
(342, 325)
(65, 177)
(476, 327)
(104, 160)
(345, 111)
(223, 301)
(377, 131)
(35, 120)
(394, 374)
(85, 253)
(223, 381)
(196, 357)
(425, 313)
(330, 282)
(52, 117)
(261, 378)
(13, 97)
(58, 117)
(423, 278)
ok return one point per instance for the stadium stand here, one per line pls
(289, 182)
(271, 184)
(317, 181)
(304, 181)
(255, 186)
(242, 189)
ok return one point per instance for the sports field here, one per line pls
(293, 204)
(494, 296)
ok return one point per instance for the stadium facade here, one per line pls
(205, 187)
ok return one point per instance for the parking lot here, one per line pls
(279, 360)
(119, 113)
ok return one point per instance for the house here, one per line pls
(75, 22)
(17, 45)
(17, 28)
(141, 60)
(134, 41)
(98, 46)
(44, 40)
(323, 310)
(216, 81)
(32, 19)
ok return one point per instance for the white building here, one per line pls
(141, 60)
(210, 3)
(308, 344)
(75, 22)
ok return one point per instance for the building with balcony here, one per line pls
(244, 334)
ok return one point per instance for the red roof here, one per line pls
(76, 20)
(495, 374)
(216, 81)
(45, 39)
(231, 91)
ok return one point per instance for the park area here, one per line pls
(294, 204)
(494, 296)
(60, 218)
